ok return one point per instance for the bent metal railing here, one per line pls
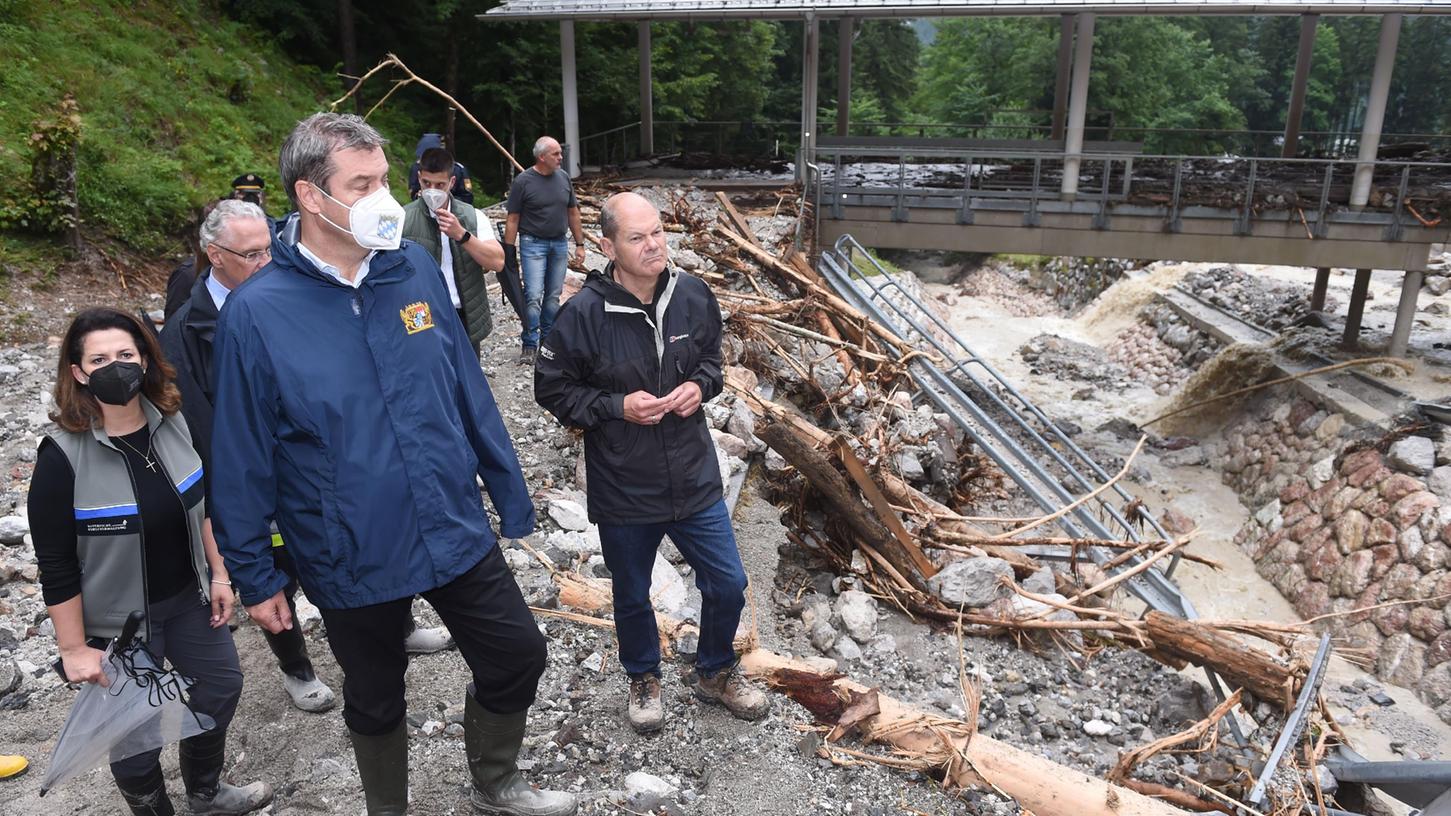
(1403, 194)
(1009, 428)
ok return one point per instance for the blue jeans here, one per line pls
(709, 546)
(542, 262)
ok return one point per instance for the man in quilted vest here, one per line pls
(459, 237)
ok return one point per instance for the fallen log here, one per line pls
(1036, 784)
(1241, 665)
(838, 494)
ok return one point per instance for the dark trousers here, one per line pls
(709, 546)
(289, 645)
(182, 636)
(489, 621)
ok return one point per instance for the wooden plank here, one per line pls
(737, 221)
(883, 508)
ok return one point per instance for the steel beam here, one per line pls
(1077, 106)
(1065, 68)
(1375, 109)
(844, 32)
(810, 53)
(1322, 283)
(1405, 314)
(1351, 338)
(571, 98)
(1308, 23)
(647, 102)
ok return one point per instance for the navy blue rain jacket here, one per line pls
(356, 418)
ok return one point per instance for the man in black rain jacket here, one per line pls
(630, 360)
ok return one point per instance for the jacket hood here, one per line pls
(428, 142)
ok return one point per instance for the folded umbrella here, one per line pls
(143, 708)
(510, 282)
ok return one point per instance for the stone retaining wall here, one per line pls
(1339, 525)
(1074, 282)
(1162, 349)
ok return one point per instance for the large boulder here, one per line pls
(858, 613)
(972, 582)
(1414, 454)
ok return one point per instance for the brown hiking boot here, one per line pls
(646, 713)
(732, 690)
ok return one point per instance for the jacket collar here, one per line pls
(387, 265)
(603, 281)
(202, 316)
(153, 421)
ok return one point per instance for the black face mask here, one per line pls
(116, 383)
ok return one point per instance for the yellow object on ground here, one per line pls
(12, 765)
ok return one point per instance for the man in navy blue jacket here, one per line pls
(350, 408)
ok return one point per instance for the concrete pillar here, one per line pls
(844, 32)
(1351, 338)
(1077, 106)
(810, 48)
(1375, 107)
(647, 105)
(1065, 68)
(1322, 282)
(1308, 23)
(571, 98)
(1405, 313)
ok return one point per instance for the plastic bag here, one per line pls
(143, 708)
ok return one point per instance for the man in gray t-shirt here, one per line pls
(541, 206)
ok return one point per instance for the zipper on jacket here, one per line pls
(141, 537)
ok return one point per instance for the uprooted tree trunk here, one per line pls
(1241, 665)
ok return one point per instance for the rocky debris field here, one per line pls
(1076, 700)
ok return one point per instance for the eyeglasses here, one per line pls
(250, 257)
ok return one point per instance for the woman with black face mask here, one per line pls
(119, 523)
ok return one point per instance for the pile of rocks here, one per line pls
(1272, 305)
(1162, 349)
(1438, 272)
(1051, 355)
(1340, 525)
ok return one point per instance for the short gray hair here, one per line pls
(223, 215)
(307, 155)
(542, 144)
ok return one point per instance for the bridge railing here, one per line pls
(1402, 193)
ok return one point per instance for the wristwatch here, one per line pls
(467, 236)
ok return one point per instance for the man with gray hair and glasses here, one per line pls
(236, 240)
(351, 408)
(542, 213)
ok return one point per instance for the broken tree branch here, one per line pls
(392, 59)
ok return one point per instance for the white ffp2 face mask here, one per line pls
(375, 221)
(434, 199)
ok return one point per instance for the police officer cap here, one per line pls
(247, 182)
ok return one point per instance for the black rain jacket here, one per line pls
(604, 345)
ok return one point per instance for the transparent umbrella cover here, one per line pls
(143, 708)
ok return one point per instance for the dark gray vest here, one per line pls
(109, 539)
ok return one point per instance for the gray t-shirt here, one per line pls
(541, 202)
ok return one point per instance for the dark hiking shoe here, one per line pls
(229, 800)
(526, 356)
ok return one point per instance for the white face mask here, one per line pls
(375, 221)
(434, 199)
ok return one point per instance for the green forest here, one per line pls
(173, 99)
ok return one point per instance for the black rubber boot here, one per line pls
(492, 742)
(383, 767)
(146, 796)
(201, 759)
